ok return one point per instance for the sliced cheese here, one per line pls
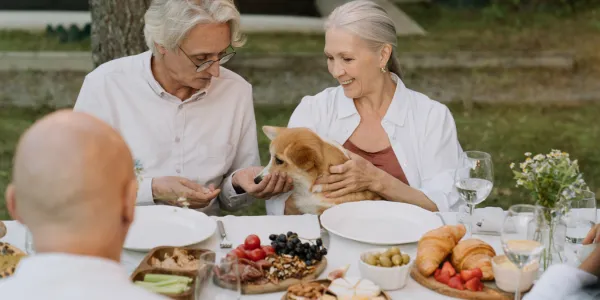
(354, 286)
(367, 288)
(341, 287)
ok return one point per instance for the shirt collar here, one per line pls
(396, 113)
(157, 88)
(68, 263)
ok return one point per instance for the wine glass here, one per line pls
(521, 238)
(218, 278)
(473, 179)
(29, 247)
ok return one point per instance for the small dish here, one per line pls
(392, 278)
(505, 274)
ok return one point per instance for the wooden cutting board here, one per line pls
(490, 290)
(251, 289)
(327, 282)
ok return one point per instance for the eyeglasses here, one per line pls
(205, 65)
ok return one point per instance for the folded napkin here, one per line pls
(238, 228)
(486, 219)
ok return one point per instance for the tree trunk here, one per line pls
(117, 28)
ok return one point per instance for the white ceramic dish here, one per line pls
(379, 222)
(388, 279)
(505, 274)
(161, 225)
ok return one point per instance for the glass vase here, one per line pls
(553, 234)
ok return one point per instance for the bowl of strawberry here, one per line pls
(252, 249)
(465, 280)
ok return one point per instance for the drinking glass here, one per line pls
(473, 179)
(218, 278)
(580, 218)
(521, 238)
(29, 247)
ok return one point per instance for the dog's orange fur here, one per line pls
(305, 156)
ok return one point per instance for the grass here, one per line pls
(505, 131)
(448, 30)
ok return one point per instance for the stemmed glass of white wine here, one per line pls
(474, 179)
(521, 239)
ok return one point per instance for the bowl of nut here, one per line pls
(387, 267)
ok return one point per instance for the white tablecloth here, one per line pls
(341, 252)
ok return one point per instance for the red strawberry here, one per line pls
(455, 283)
(466, 275)
(442, 277)
(474, 285)
(448, 269)
(478, 273)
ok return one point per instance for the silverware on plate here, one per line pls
(224, 242)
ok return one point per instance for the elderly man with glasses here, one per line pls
(188, 121)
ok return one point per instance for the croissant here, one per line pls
(435, 245)
(474, 253)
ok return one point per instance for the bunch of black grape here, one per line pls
(290, 244)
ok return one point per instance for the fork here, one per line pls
(441, 218)
(224, 242)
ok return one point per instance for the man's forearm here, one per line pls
(144, 194)
(230, 196)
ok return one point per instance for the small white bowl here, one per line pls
(505, 274)
(388, 279)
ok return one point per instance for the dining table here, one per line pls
(341, 251)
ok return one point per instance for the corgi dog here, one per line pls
(304, 156)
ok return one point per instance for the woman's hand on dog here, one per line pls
(355, 175)
(271, 185)
(171, 188)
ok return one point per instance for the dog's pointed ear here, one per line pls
(271, 131)
(305, 157)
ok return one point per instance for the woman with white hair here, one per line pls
(188, 121)
(403, 145)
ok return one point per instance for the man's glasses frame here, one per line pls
(205, 65)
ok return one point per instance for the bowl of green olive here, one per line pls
(387, 267)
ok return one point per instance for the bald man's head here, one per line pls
(71, 172)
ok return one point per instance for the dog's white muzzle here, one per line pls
(262, 173)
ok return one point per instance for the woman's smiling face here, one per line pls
(351, 62)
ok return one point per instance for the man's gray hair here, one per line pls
(370, 22)
(167, 22)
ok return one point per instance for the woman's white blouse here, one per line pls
(422, 133)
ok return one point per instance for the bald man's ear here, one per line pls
(11, 203)
(129, 201)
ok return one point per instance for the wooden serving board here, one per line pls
(188, 295)
(327, 282)
(159, 252)
(145, 267)
(490, 290)
(252, 289)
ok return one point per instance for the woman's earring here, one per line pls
(383, 70)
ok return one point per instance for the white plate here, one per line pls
(379, 222)
(162, 225)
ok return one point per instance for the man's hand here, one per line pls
(271, 185)
(172, 188)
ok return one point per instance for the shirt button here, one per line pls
(178, 171)
(177, 140)
(180, 107)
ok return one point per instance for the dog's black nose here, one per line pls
(257, 179)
